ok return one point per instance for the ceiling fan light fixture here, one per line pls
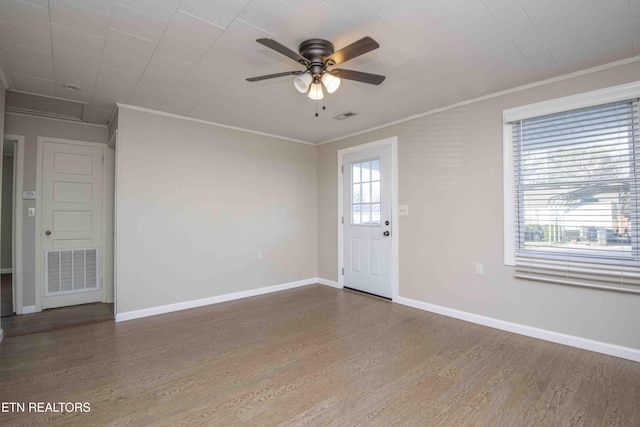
(331, 83)
(302, 82)
(315, 92)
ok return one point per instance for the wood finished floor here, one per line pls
(313, 356)
(57, 318)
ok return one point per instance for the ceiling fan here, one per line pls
(318, 56)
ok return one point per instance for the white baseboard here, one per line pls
(1, 335)
(328, 283)
(28, 309)
(543, 334)
(152, 311)
(6, 270)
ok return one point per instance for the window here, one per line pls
(572, 176)
(365, 192)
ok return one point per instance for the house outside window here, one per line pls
(572, 189)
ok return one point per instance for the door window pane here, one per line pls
(355, 172)
(365, 192)
(375, 170)
(375, 192)
(355, 195)
(366, 213)
(355, 214)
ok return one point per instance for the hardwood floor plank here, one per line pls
(312, 356)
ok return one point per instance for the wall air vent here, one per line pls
(45, 106)
(71, 270)
(345, 115)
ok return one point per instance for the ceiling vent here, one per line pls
(345, 115)
(45, 106)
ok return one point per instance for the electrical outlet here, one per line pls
(259, 255)
(479, 268)
(403, 210)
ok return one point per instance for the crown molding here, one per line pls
(206, 122)
(528, 86)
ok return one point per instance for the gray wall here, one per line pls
(196, 202)
(450, 175)
(2, 97)
(6, 217)
(31, 127)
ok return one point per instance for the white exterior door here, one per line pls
(367, 221)
(71, 234)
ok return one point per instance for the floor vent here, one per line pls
(71, 270)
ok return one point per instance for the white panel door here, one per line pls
(71, 221)
(367, 221)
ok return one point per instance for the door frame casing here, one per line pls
(18, 176)
(395, 229)
(39, 259)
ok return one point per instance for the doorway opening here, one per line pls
(368, 218)
(9, 170)
(26, 314)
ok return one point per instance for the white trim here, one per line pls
(330, 283)
(543, 334)
(566, 103)
(18, 175)
(393, 141)
(169, 308)
(1, 335)
(206, 122)
(57, 119)
(573, 102)
(109, 205)
(508, 221)
(533, 85)
(6, 270)
(29, 309)
(116, 219)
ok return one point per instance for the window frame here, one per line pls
(572, 102)
(370, 203)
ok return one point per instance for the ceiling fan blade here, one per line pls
(271, 76)
(359, 76)
(360, 47)
(272, 44)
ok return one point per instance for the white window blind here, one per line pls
(576, 196)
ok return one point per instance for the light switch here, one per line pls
(31, 212)
(403, 210)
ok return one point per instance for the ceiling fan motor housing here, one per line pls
(316, 50)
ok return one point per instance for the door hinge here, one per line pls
(343, 271)
(343, 220)
(103, 159)
(342, 169)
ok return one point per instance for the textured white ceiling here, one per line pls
(191, 57)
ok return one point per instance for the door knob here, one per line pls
(48, 232)
(386, 233)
